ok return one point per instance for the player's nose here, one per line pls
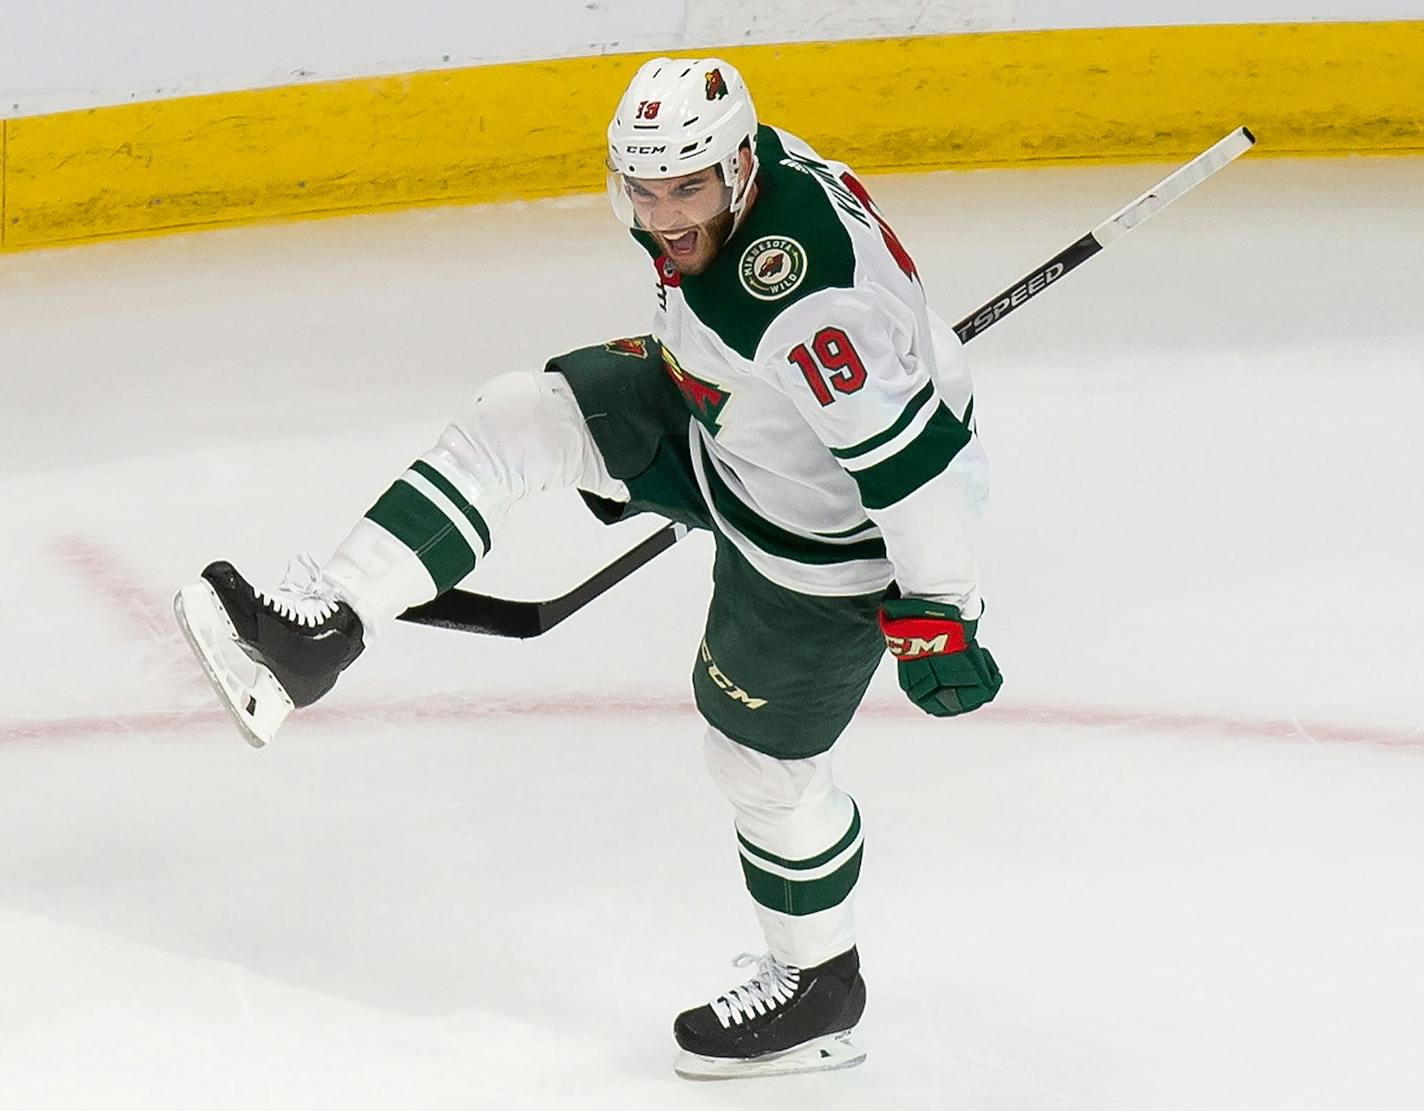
(666, 217)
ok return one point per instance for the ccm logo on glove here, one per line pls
(914, 639)
(943, 670)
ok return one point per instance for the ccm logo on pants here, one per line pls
(729, 688)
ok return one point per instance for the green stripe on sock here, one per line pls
(812, 861)
(775, 540)
(446, 487)
(923, 458)
(902, 422)
(801, 897)
(423, 527)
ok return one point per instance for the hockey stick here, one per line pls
(481, 613)
(1174, 185)
(502, 617)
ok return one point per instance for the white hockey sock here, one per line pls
(378, 575)
(800, 842)
(523, 434)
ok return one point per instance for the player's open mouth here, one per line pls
(682, 246)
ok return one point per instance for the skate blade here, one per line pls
(248, 691)
(825, 1054)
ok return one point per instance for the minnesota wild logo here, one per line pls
(636, 348)
(716, 86)
(772, 267)
(704, 400)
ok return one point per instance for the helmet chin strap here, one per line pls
(740, 200)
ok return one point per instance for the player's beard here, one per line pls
(709, 240)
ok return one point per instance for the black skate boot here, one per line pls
(783, 1020)
(268, 655)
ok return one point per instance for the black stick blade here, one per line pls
(468, 612)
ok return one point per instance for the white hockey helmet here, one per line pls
(679, 116)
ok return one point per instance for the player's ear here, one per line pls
(744, 162)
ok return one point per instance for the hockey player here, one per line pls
(798, 398)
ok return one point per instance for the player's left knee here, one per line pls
(767, 792)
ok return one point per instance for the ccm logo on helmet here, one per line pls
(632, 148)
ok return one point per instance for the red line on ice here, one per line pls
(101, 570)
(144, 616)
(451, 708)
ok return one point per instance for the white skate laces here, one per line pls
(305, 595)
(773, 984)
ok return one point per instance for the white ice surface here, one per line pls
(1176, 865)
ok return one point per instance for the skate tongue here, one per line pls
(305, 594)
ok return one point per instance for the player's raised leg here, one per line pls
(269, 653)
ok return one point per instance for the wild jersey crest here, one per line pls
(772, 267)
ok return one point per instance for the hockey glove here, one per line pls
(942, 669)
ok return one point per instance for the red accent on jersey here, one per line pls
(892, 241)
(802, 358)
(838, 355)
(843, 367)
(702, 396)
(667, 271)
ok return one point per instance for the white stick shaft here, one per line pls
(1175, 185)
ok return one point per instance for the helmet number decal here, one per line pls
(648, 109)
(835, 364)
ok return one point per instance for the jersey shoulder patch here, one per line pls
(791, 244)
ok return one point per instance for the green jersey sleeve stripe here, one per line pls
(802, 897)
(923, 458)
(902, 422)
(775, 540)
(846, 534)
(419, 524)
(446, 487)
(813, 861)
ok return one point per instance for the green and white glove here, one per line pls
(942, 668)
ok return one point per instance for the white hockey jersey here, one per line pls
(833, 437)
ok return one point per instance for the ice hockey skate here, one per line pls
(268, 655)
(784, 1020)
